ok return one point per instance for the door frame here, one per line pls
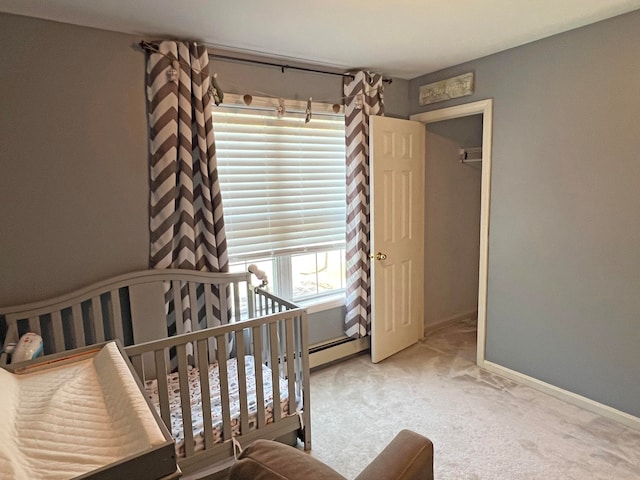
(484, 107)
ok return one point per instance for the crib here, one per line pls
(223, 363)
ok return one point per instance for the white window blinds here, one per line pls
(282, 181)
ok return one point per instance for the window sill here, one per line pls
(325, 303)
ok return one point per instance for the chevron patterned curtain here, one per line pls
(186, 222)
(363, 98)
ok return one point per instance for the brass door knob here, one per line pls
(380, 256)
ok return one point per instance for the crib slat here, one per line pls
(34, 325)
(237, 314)
(211, 320)
(193, 309)
(264, 305)
(78, 327)
(136, 361)
(185, 399)
(205, 393)
(160, 358)
(260, 305)
(242, 383)
(12, 336)
(223, 291)
(193, 305)
(177, 306)
(257, 360)
(297, 337)
(304, 380)
(291, 374)
(208, 302)
(117, 315)
(221, 340)
(282, 348)
(265, 344)
(98, 325)
(58, 332)
(250, 302)
(275, 377)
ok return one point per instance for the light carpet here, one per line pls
(483, 426)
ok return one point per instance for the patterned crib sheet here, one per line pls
(177, 432)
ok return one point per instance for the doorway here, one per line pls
(485, 109)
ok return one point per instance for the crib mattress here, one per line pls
(67, 421)
(216, 404)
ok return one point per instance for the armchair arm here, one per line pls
(409, 456)
(269, 460)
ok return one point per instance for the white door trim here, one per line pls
(484, 107)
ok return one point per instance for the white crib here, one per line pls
(227, 360)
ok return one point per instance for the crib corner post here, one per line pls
(306, 437)
(251, 300)
(306, 384)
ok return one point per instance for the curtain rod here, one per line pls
(286, 67)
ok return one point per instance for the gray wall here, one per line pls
(564, 262)
(452, 220)
(74, 157)
(466, 132)
(326, 325)
(73, 154)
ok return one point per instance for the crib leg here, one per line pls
(307, 439)
(305, 433)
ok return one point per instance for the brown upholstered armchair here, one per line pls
(409, 456)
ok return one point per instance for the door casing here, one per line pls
(484, 107)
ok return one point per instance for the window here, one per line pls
(284, 193)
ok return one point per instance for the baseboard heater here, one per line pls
(336, 350)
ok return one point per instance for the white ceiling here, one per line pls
(401, 38)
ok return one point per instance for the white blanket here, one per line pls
(70, 420)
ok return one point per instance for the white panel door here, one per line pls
(397, 234)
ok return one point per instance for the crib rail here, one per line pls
(279, 337)
(173, 320)
(128, 308)
(267, 302)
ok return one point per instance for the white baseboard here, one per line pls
(338, 352)
(448, 321)
(567, 396)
